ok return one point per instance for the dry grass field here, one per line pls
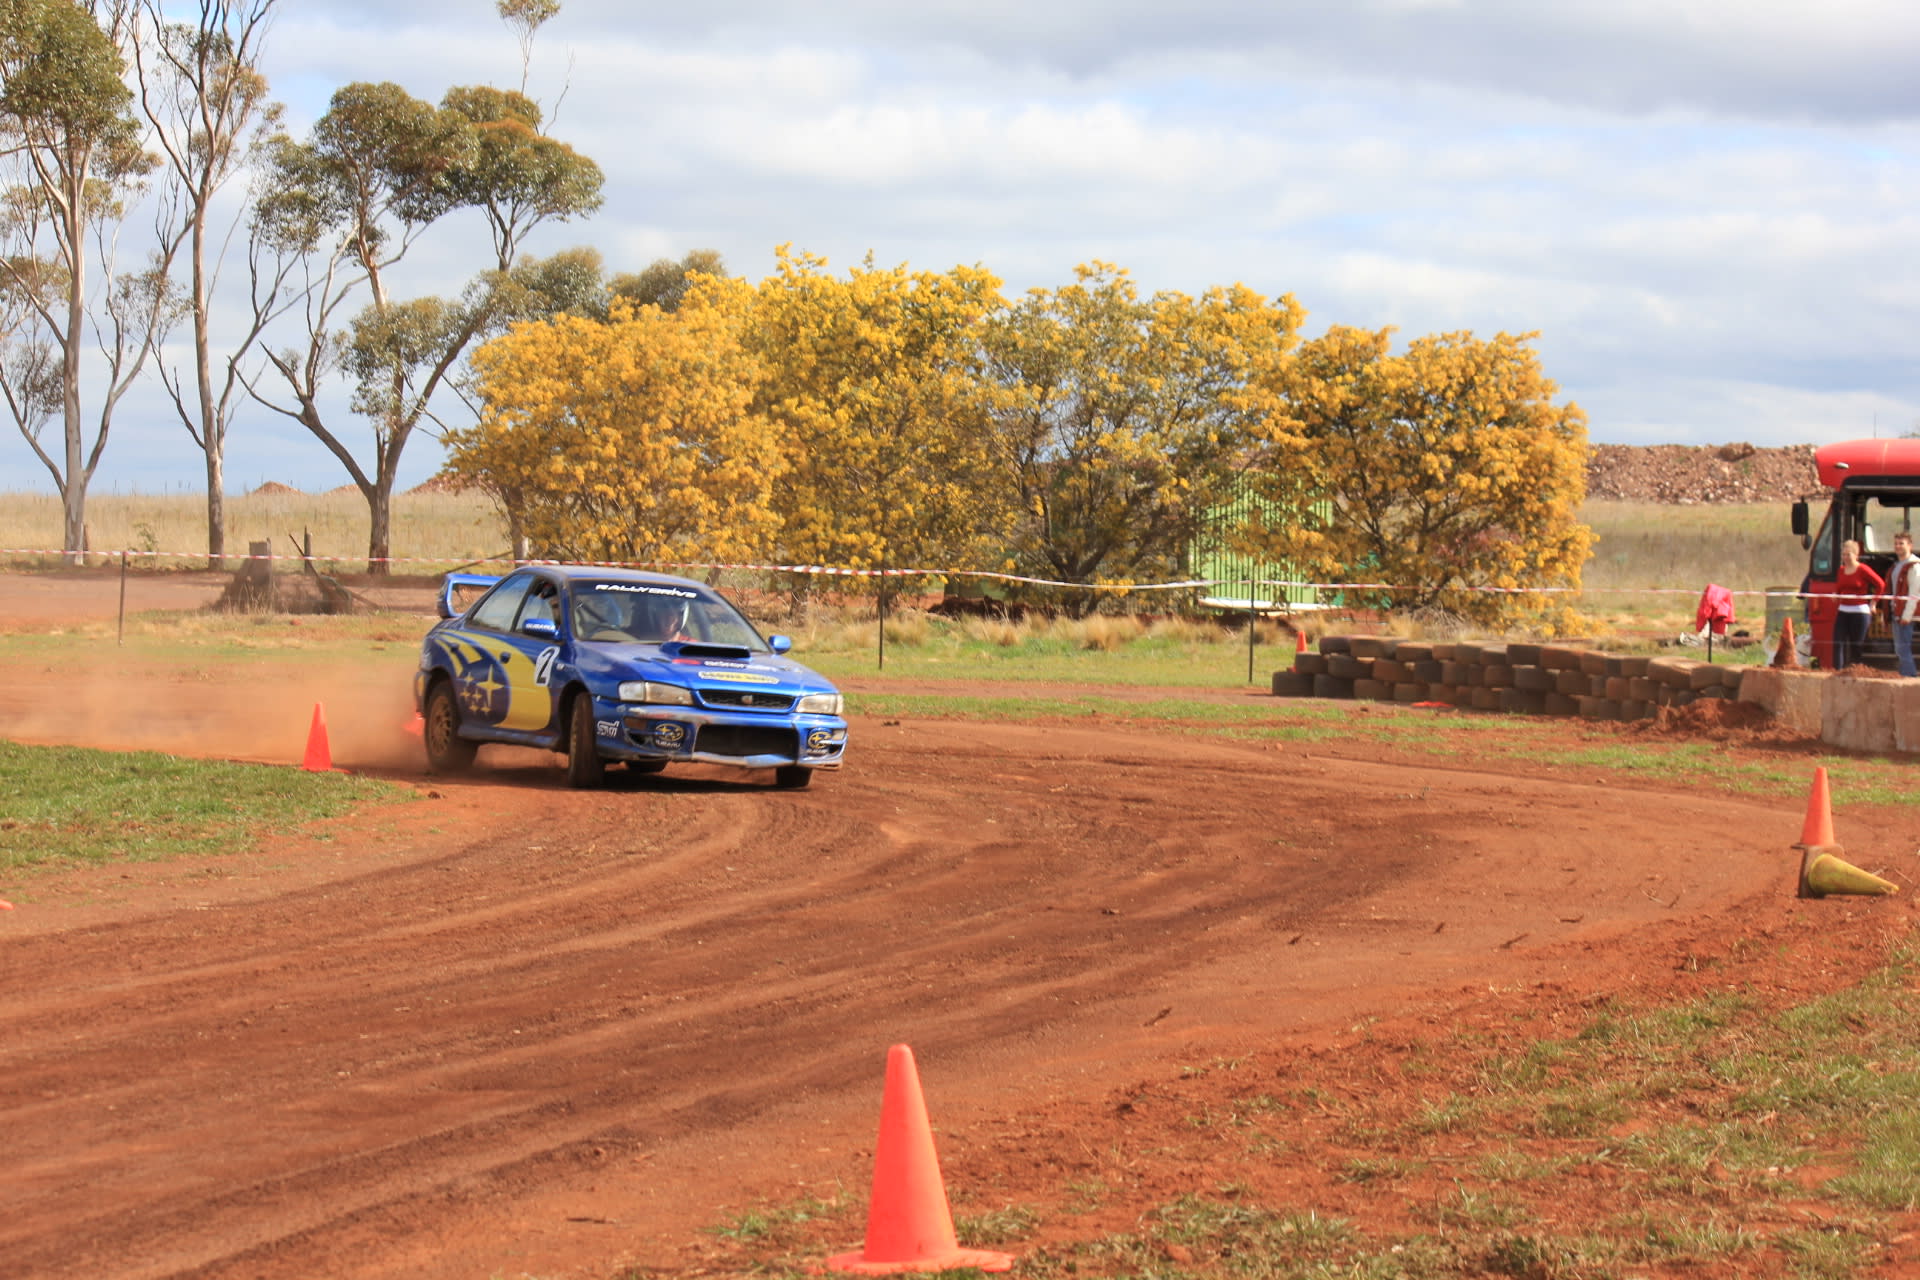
(436, 530)
(1650, 560)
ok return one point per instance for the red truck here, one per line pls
(1875, 487)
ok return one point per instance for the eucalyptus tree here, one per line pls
(71, 164)
(664, 282)
(525, 18)
(202, 90)
(380, 169)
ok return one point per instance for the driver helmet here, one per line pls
(664, 617)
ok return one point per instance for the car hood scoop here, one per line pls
(692, 649)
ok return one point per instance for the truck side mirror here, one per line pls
(1800, 519)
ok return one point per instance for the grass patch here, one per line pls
(1720, 1134)
(204, 637)
(71, 806)
(1103, 650)
(1676, 763)
(784, 1224)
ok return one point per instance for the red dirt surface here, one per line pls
(513, 1029)
(1701, 473)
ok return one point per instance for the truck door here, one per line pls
(1823, 564)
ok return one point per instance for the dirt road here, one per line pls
(507, 1028)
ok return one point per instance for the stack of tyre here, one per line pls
(1564, 679)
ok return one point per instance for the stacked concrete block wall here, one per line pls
(1565, 679)
(1877, 716)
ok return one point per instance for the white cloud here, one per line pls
(1707, 207)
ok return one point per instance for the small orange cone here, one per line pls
(1823, 873)
(5, 905)
(1785, 654)
(417, 726)
(1299, 642)
(909, 1227)
(1818, 828)
(319, 757)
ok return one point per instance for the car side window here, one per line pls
(496, 612)
(542, 602)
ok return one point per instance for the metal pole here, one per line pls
(123, 599)
(883, 616)
(1251, 628)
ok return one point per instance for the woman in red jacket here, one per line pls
(1856, 588)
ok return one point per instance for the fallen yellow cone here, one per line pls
(1823, 873)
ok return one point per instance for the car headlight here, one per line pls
(820, 704)
(653, 691)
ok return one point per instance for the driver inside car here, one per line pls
(660, 619)
(600, 617)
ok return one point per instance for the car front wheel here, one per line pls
(585, 768)
(447, 751)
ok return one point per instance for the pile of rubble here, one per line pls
(1710, 473)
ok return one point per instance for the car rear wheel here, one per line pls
(585, 768)
(447, 751)
(792, 777)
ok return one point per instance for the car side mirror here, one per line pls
(780, 644)
(1800, 518)
(541, 627)
(443, 607)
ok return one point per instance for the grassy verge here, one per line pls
(1442, 734)
(204, 637)
(65, 806)
(1721, 1135)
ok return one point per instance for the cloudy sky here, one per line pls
(1709, 209)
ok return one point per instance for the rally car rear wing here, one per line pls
(459, 590)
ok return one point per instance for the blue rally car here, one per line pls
(615, 665)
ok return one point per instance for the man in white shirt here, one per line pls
(1903, 593)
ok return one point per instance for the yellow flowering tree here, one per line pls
(632, 439)
(874, 384)
(1443, 470)
(1125, 419)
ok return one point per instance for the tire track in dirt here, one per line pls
(303, 1083)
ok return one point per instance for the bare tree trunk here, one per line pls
(516, 528)
(73, 493)
(380, 536)
(216, 510)
(213, 435)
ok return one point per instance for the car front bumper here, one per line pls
(631, 731)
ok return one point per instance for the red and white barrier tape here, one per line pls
(845, 572)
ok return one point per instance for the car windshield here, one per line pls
(653, 613)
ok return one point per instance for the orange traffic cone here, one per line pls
(1785, 654)
(1299, 642)
(416, 725)
(909, 1227)
(1818, 828)
(319, 758)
